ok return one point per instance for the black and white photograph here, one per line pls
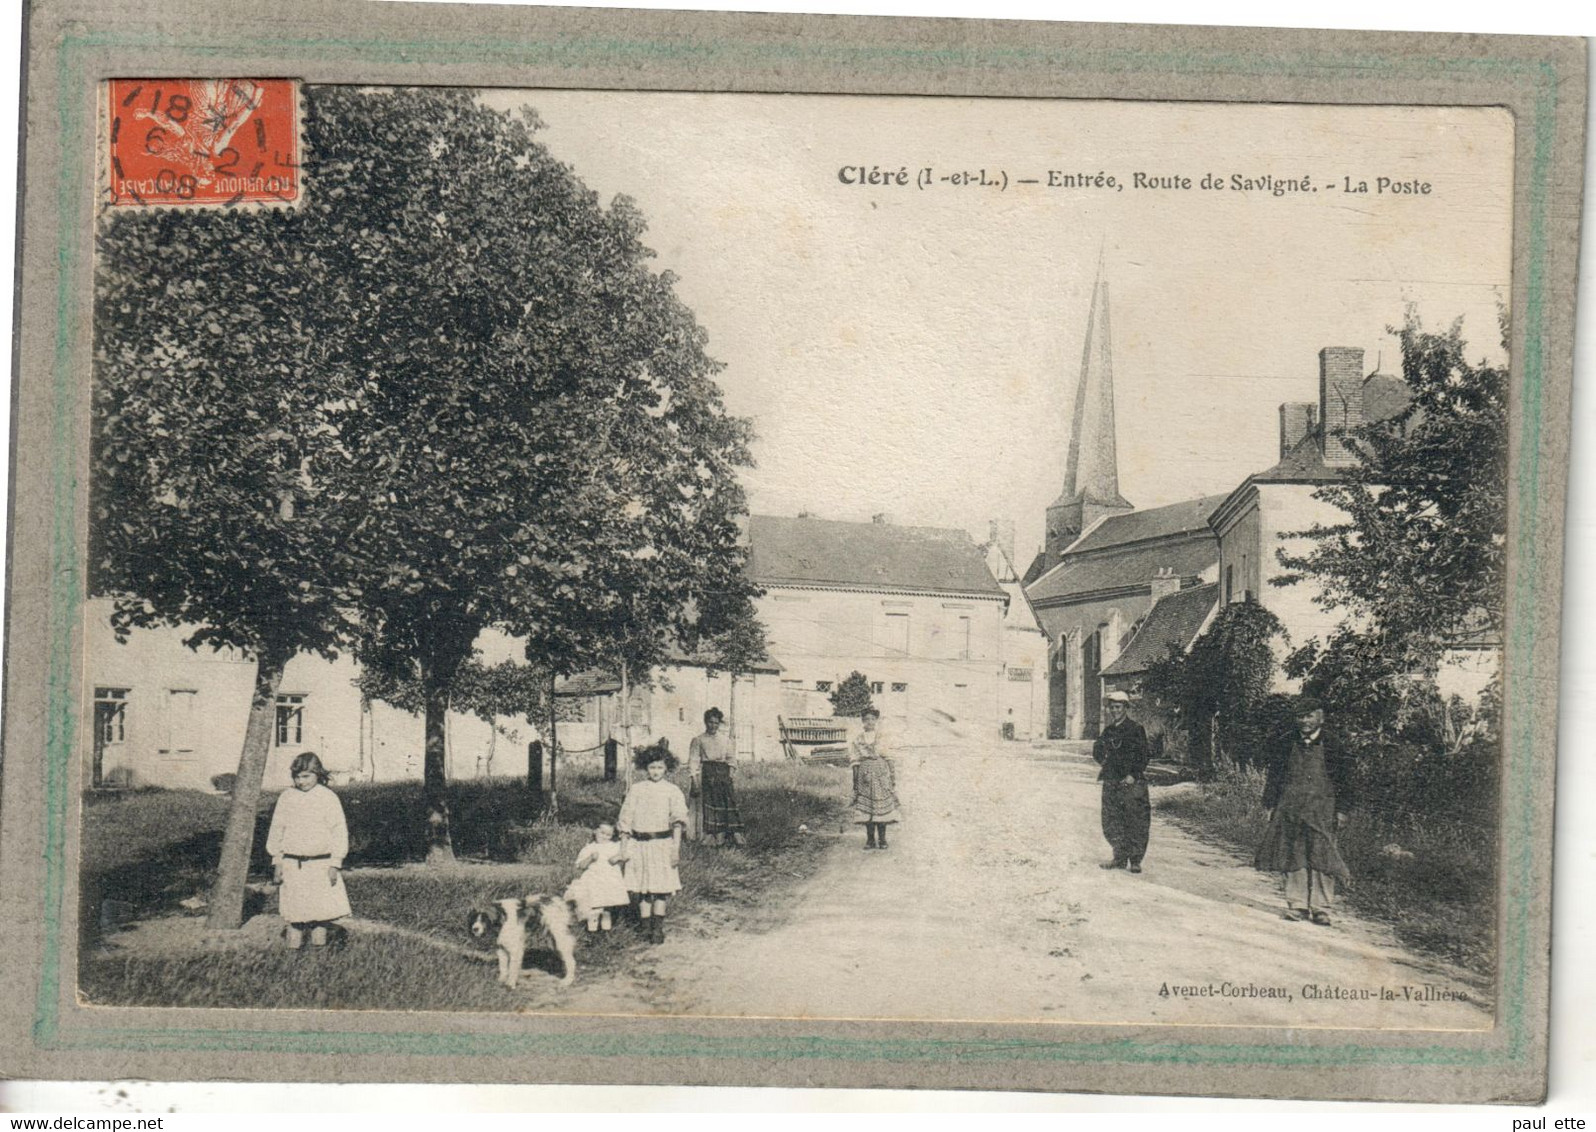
(670, 556)
(501, 519)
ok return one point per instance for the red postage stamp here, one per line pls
(204, 141)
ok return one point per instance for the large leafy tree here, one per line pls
(443, 393)
(556, 459)
(213, 457)
(1419, 560)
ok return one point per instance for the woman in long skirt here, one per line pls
(875, 785)
(709, 770)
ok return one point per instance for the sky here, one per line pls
(914, 351)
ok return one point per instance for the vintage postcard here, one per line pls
(641, 548)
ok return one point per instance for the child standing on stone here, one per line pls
(653, 817)
(308, 841)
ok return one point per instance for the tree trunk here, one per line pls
(534, 772)
(434, 774)
(232, 871)
(554, 754)
(626, 722)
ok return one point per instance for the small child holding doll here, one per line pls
(599, 885)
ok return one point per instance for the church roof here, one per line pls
(1173, 622)
(1187, 517)
(871, 555)
(1128, 566)
(1127, 550)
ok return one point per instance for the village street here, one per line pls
(990, 906)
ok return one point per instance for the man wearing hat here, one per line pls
(1121, 750)
(1308, 795)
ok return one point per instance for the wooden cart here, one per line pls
(814, 740)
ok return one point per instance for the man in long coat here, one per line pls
(1121, 751)
(1308, 794)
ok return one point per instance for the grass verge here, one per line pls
(144, 853)
(1430, 878)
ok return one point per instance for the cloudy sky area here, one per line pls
(916, 351)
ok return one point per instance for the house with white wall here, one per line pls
(914, 609)
(1022, 695)
(1268, 512)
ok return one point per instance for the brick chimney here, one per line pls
(1000, 533)
(1165, 582)
(1340, 401)
(1296, 421)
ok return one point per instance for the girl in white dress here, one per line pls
(653, 817)
(308, 841)
(599, 885)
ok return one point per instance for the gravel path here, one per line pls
(990, 906)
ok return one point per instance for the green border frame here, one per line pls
(61, 726)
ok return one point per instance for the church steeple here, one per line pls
(1091, 472)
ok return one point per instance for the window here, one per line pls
(896, 687)
(1020, 675)
(1230, 584)
(876, 687)
(290, 720)
(822, 685)
(180, 722)
(961, 638)
(895, 634)
(110, 714)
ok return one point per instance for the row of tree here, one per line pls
(444, 392)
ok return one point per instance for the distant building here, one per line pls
(1095, 576)
(671, 706)
(1260, 517)
(1178, 617)
(1022, 693)
(1267, 513)
(167, 715)
(914, 609)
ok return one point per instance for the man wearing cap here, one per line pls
(1308, 795)
(1121, 751)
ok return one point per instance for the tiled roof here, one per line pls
(1036, 569)
(1303, 464)
(1133, 565)
(1156, 522)
(1173, 621)
(871, 555)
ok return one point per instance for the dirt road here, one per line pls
(990, 906)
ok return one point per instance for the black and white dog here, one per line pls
(517, 921)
